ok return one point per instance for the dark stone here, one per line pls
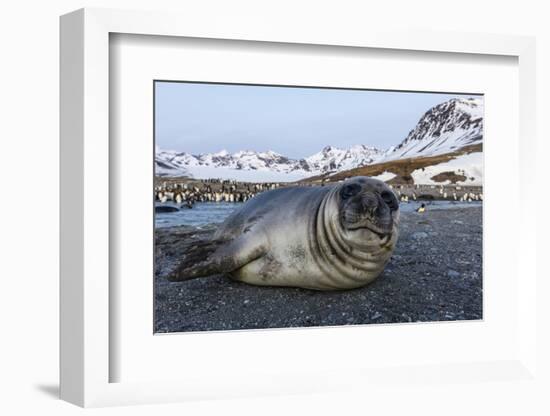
(165, 208)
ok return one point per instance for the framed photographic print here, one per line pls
(268, 211)
(393, 220)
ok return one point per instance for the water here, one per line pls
(213, 212)
(202, 213)
(413, 206)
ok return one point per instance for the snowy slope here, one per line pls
(470, 166)
(445, 128)
(333, 159)
(164, 165)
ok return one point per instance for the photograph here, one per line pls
(286, 206)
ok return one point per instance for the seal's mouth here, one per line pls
(380, 230)
(382, 227)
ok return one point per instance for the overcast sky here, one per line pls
(296, 122)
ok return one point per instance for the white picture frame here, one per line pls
(86, 356)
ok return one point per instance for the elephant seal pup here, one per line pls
(338, 236)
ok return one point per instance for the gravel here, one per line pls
(435, 274)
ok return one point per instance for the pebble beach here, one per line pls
(435, 274)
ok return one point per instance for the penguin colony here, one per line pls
(407, 193)
(217, 190)
(210, 190)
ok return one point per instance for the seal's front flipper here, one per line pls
(195, 261)
(216, 256)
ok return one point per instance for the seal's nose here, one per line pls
(370, 201)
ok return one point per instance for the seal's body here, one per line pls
(329, 237)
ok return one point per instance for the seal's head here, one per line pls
(368, 208)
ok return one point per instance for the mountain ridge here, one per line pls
(329, 159)
(444, 129)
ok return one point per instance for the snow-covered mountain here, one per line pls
(445, 128)
(334, 159)
(263, 164)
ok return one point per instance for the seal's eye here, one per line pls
(350, 190)
(389, 198)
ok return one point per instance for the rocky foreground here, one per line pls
(435, 274)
